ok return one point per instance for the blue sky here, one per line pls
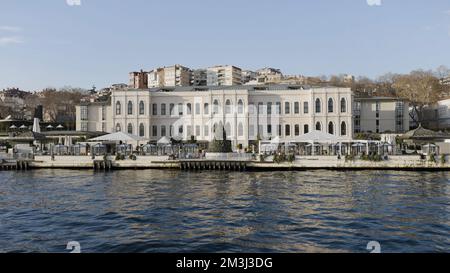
(50, 43)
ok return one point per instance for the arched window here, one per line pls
(240, 129)
(330, 105)
(288, 130)
(318, 126)
(118, 127)
(228, 107)
(141, 130)
(240, 107)
(305, 129)
(343, 129)
(130, 128)
(118, 108)
(216, 107)
(228, 130)
(331, 128)
(189, 109)
(343, 105)
(318, 106)
(206, 109)
(141, 108)
(130, 108)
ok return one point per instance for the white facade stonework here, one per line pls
(246, 113)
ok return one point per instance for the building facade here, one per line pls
(247, 113)
(176, 75)
(138, 80)
(381, 115)
(94, 117)
(224, 75)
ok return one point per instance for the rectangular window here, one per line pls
(287, 108)
(84, 127)
(260, 108)
(154, 131)
(103, 112)
(163, 131)
(297, 130)
(189, 131)
(172, 109)
(206, 109)
(251, 130)
(261, 130)
(84, 112)
(269, 108)
(163, 109)
(180, 109)
(155, 109)
(297, 108)
(305, 107)
(197, 130)
(206, 131)
(197, 108)
(251, 109)
(278, 108)
(269, 129)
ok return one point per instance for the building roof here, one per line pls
(272, 87)
(421, 133)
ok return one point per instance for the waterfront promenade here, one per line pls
(412, 162)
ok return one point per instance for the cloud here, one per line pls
(4, 41)
(73, 2)
(10, 29)
(374, 2)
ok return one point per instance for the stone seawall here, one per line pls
(301, 162)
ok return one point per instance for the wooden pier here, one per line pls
(19, 165)
(218, 165)
(105, 165)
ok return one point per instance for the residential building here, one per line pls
(176, 75)
(94, 116)
(437, 116)
(445, 81)
(138, 80)
(224, 75)
(348, 78)
(248, 76)
(247, 113)
(380, 115)
(199, 77)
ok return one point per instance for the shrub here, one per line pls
(443, 159)
(349, 158)
(432, 158)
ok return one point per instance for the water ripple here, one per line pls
(171, 211)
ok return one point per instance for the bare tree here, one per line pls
(442, 72)
(420, 88)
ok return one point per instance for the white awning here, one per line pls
(319, 137)
(164, 141)
(119, 136)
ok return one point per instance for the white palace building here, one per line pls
(247, 113)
